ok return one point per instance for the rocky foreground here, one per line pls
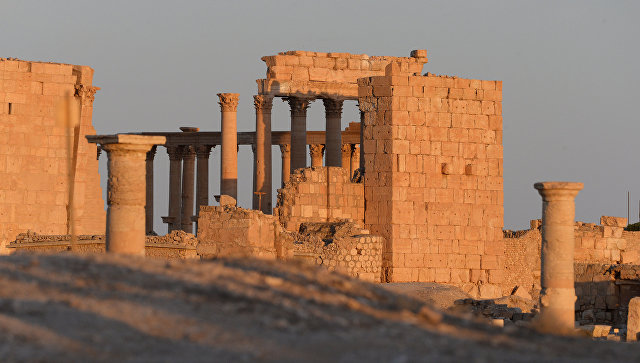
(65, 308)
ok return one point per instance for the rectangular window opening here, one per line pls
(10, 108)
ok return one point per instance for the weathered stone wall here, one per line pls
(302, 73)
(341, 246)
(175, 245)
(606, 243)
(229, 231)
(33, 154)
(604, 292)
(433, 177)
(319, 195)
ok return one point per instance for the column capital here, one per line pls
(346, 148)
(333, 106)
(253, 149)
(203, 151)
(86, 93)
(316, 150)
(228, 101)
(123, 143)
(98, 151)
(151, 154)
(285, 148)
(263, 102)
(188, 151)
(174, 152)
(552, 191)
(298, 105)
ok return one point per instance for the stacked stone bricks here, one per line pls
(319, 194)
(433, 176)
(33, 156)
(303, 73)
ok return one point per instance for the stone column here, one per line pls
(125, 232)
(202, 178)
(298, 132)
(557, 297)
(148, 207)
(263, 177)
(316, 151)
(362, 140)
(188, 171)
(175, 187)
(285, 149)
(333, 131)
(229, 153)
(346, 156)
(355, 158)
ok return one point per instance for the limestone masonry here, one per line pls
(33, 154)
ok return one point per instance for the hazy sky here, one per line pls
(571, 84)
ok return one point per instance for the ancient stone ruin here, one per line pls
(413, 192)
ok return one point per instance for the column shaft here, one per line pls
(346, 156)
(355, 158)
(285, 150)
(333, 131)
(229, 150)
(149, 197)
(202, 178)
(557, 297)
(316, 151)
(175, 186)
(298, 132)
(263, 169)
(126, 196)
(188, 168)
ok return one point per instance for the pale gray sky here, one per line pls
(571, 83)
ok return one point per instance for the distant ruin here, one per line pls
(411, 193)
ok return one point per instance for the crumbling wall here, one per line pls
(303, 73)
(229, 231)
(319, 195)
(341, 246)
(433, 177)
(175, 245)
(33, 151)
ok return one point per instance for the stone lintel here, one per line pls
(126, 139)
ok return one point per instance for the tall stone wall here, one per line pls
(33, 153)
(319, 195)
(433, 176)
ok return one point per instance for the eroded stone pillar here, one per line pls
(316, 151)
(148, 207)
(188, 173)
(298, 132)
(285, 149)
(333, 132)
(263, 175)
(355, 158)
(229, 150)
(202, 178)
(557, 297)
(346, 156)
(126, 196)
(175, 187)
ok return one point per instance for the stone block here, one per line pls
(613, 221)
(633, 319)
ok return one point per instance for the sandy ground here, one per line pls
(66, 308)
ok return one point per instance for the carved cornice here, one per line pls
(86, 93)
(263, 102)
(316, 150)
(333, 107)
(228, 101)
(298, 105)
(285, 148)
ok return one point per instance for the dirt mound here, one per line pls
(65, 308)
(438, 295)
